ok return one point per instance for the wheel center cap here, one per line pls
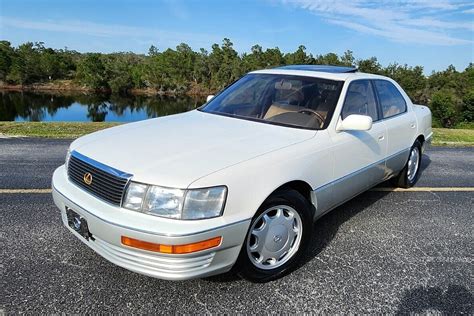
(277, 238)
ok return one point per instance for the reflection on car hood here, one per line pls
(176, 150)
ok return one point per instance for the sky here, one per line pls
(432, 34)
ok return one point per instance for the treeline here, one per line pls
(449, 93)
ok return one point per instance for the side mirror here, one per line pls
(209, 97)
(355, 122)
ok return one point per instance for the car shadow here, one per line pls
(425, 163)
(324, 230)
(433, 300)
(328, 225)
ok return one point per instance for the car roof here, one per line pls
(320, 71)
(320, 68)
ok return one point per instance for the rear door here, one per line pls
(400, 122)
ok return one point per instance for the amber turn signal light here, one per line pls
(173, 249)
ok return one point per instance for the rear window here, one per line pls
(390, 98)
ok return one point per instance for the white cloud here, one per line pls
(416, 21)
(162, 37)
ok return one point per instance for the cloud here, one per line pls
(178, 9)
(162, 37)
(415, 21)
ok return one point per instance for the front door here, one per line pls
(359, 155)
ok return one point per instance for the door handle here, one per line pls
(381, 137)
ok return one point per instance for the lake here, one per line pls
(82, 107)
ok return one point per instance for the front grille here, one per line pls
(107, 183)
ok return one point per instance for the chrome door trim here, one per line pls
(395, 163)
(336, 192)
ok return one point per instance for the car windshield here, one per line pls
(294, 101)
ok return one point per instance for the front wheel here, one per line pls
(409, 175)
(278, 235)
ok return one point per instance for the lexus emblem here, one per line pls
(87, 178)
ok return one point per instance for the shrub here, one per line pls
(467, 110)
(444, 108)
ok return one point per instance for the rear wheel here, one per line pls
(409, 175)
(278, 235)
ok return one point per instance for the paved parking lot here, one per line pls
(389, 252)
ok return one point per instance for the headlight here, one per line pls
(68, 156)
(204, 203)
(175, 203)
(135, 196)
(164, 202)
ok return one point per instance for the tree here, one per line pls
(153, 51)
(91, 71)
(25, 66)
(224, 63)
(50, 64)
(6, 55)
(299, 57)
(273, 57)
(443, 107)
(370, 65)
(348, 58)
(410, 78)
(201, 71)
(467, 111)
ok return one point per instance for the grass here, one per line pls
(465, 125)
(442, 136)
(453, 137)
(51, 129)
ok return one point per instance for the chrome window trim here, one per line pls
(379, 103)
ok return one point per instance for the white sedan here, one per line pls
(240, 181)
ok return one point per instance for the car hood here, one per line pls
(176, 150)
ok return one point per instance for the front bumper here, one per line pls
(106, 224)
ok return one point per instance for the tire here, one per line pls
(278, 235)
(409, 175)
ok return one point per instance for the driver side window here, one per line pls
(360, 99)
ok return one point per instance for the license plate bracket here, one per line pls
(78, 224)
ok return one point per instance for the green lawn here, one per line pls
(453, 137)
(51, 129)
(442, 136)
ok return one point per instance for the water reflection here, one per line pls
(32, 106)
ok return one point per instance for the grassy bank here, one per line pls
(442, 136)
(453, 137)
(51, 129)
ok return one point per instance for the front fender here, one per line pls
(251, 182)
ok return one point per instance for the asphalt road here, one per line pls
(382, 252)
